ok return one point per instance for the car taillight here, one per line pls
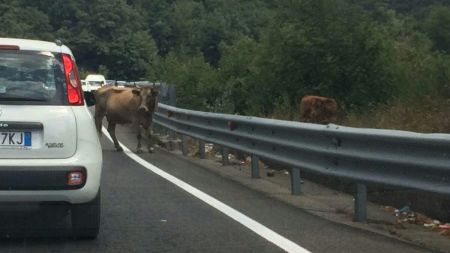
(73, 83)
(75, 178)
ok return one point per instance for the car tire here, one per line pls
(86, 219)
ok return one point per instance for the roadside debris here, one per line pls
(271, 173)
(209, 147)
(406, 215)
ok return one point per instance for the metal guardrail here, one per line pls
(365, 156)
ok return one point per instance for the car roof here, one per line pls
(35, 45)
(93, 77)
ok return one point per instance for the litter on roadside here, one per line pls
(406, 215)
(445, 226)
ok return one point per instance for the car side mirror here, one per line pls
(89, 98)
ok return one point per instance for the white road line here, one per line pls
(248, 222)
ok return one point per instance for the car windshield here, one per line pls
(95, 83)
(27, 76)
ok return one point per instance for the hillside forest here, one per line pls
(386, 62)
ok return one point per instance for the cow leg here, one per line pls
(148, 133)
(112, 133)
(99, 114)
(139, 138)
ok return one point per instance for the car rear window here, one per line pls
(31, 78)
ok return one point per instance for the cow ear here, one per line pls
(136, 92)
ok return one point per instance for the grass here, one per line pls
(428, 114)
(425, 115)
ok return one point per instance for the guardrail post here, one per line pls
(360, 203)
(172, 134)
(255, 166)
(184, 145)
(295, 181)
(201, 149)
(224, 155)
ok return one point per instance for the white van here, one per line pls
(93, 82)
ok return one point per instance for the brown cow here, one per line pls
(125, 106)
(315, 109)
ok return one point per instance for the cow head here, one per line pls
(148, 99)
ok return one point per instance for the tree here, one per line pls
(130, 56)
(238, 77)
(331, 48)
(437, 26)
(23, 22)
(196, 81)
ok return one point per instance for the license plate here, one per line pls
(15, 139)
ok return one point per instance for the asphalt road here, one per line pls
(142, 212)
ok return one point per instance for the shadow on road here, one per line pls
(41, 229)
(28, 221)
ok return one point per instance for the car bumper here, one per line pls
(41, 178)
(42, 188)
(88, 156)
(49, 185)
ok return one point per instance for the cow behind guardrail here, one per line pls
(315, 109)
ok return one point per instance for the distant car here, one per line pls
(110, 82)
(49, 148)
(93, 82)
(121, 83)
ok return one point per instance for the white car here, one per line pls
(49, 147)
(94, 82)
(121, 84)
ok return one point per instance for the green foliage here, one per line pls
(23, 22)
(414, 6)
(437, 26)
(238, 75)
(331, 49)
(256, 57)
(196, 81)
(417, 70)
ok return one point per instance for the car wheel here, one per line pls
(86, 219)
